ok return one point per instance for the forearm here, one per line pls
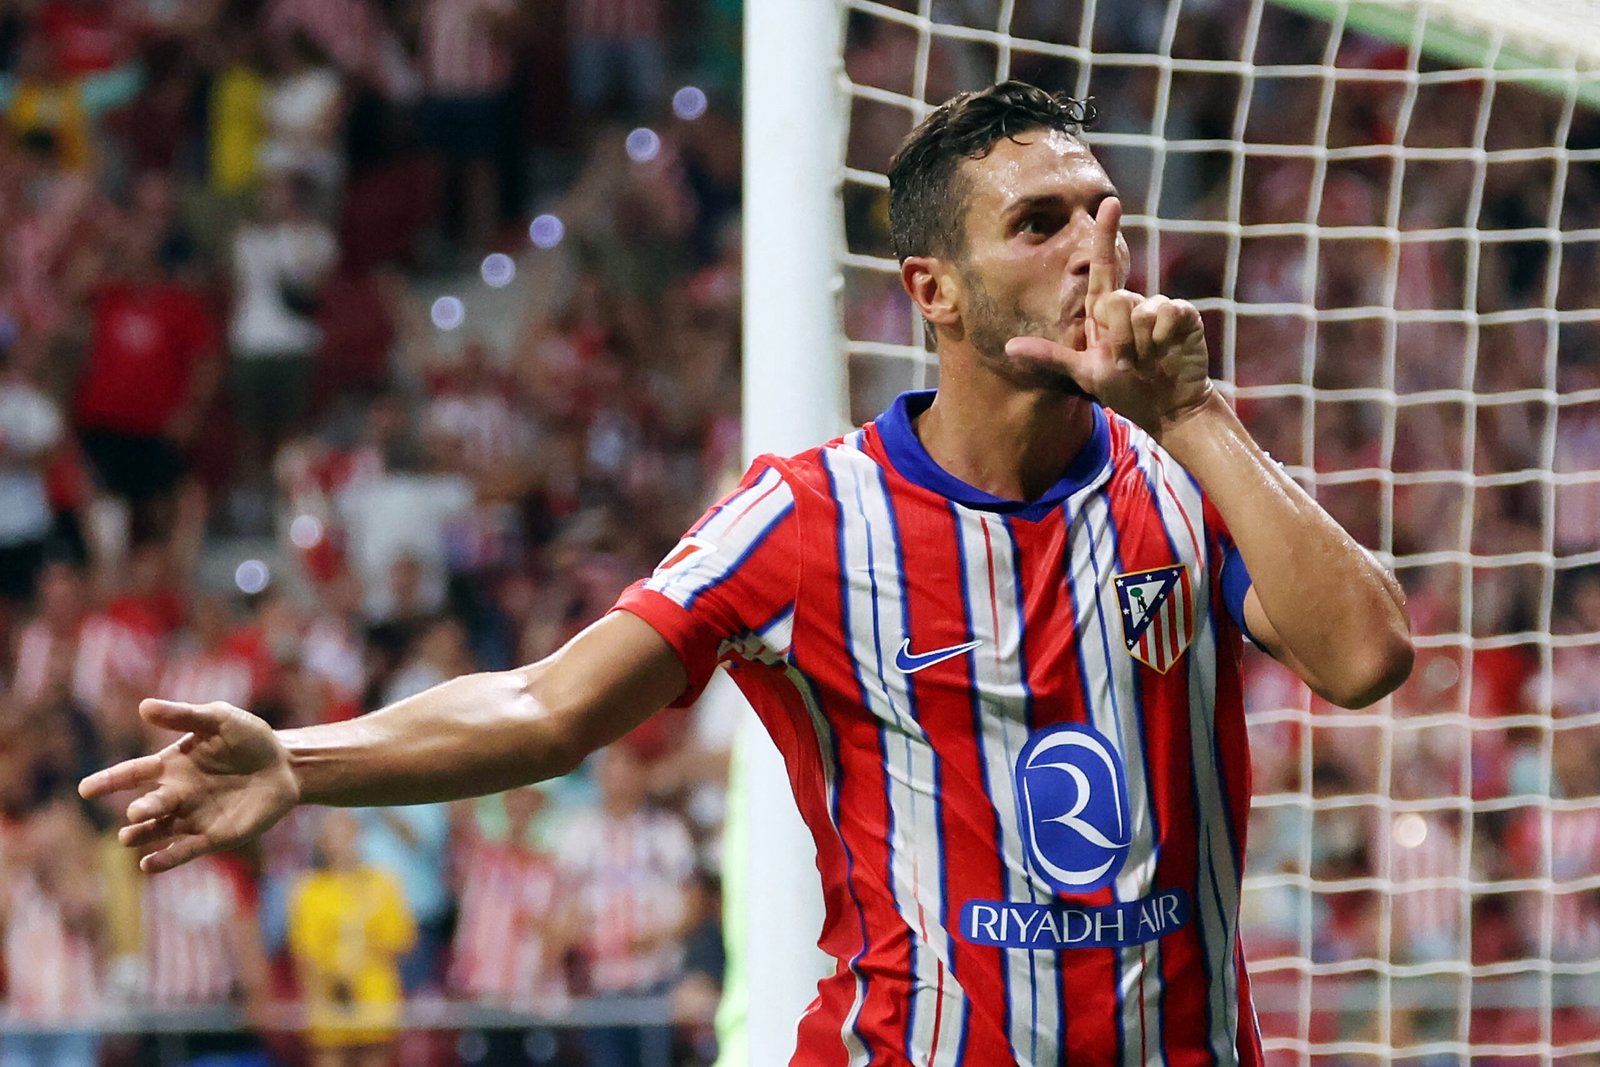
(477, 734)
(1337, 611)
(485, 733)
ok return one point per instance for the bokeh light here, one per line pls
(305, 532)
(1410, 830)
(498, 270)
(689, 102)
(546, 231)
(644, 144)
(449, 312)
(251, 576)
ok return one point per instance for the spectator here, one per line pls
(47, 647)
(202, 948)
(401, 517)
(467, 67)
(51, 912)
(517, 920)
(412, 843)
(237, 110)
(279, 263)
(30, 429)
(147, 386)
(698, 992)
(208, 664)
(631, 866)
(348, 928)
(304, 110)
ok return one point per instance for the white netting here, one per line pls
(1397, 249)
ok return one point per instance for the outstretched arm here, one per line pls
(230, 776)
(1319, 601)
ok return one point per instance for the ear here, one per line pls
(935, 287)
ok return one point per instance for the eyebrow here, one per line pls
(1022, 205)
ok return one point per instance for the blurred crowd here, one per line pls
(298, 412)
(1461, 435)
(349, 345)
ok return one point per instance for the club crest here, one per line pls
(1157, 614)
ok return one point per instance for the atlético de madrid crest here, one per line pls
(1157, 614)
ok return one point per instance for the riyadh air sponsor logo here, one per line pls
(1157, 614)
(1072, 796)
(908, 662)
(1055, 926)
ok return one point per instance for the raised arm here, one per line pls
(1319, 601)
(230, 776)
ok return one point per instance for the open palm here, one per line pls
(225, 781)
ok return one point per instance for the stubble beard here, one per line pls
(989, 325)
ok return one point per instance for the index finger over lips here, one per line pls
(1103, 252)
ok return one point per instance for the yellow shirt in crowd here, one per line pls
(347, 930)
(238, 126)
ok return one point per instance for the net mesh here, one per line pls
(1397, 253)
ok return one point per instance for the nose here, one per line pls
(1082, 238)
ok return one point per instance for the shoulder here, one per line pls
(812, 470)
(1133, 453)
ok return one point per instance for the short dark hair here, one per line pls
(925, 197)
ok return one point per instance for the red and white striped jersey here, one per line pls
(1427, 911)
(200, 676)
(113, 650)
(1015, 732)
(188, 954)
(511, 896)
(52, 973)
(44, 655)
(631, 875)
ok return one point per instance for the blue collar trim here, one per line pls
(899, 436)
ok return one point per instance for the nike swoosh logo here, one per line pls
(911, 664)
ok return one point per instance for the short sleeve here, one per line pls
(728, 587)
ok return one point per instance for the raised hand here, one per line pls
(1146, 355)
(225, 781)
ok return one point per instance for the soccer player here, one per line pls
(996, 635)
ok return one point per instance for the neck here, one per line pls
(1010, 442)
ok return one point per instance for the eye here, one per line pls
(1038, 224)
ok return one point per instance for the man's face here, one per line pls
(1029, 225)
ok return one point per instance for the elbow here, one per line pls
(1378, 671)
(562, 756)
(555, 745)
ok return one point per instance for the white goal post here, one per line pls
(1463, 446)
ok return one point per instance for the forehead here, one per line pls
(1038, 163)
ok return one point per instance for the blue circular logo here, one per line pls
(1072, 796)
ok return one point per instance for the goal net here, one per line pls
(1389, 215)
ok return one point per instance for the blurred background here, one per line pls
(349, 345)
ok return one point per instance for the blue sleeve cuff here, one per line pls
(1235, 584)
